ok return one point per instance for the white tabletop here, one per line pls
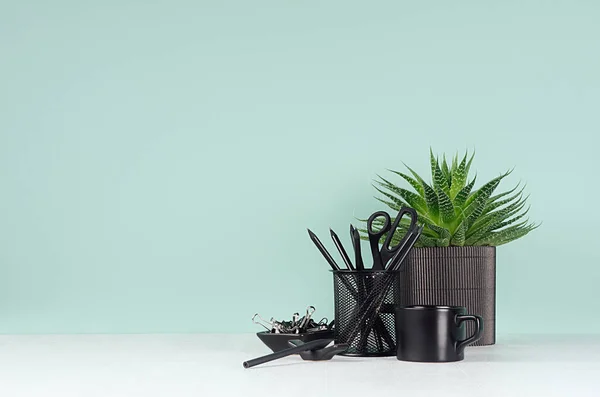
(211, 365)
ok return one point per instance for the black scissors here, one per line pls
(382, 257)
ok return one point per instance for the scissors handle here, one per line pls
(387, 251)
(375, 236)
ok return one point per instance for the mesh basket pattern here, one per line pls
(377, 336)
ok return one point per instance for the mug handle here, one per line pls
(478, 331)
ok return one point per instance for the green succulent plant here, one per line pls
(453, 214)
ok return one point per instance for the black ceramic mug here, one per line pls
(433, 333)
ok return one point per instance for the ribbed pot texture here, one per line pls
(454, 276)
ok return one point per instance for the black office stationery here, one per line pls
(355, 236)
(365, 298)
(381, 256)
(341, 250)
(319, 347)
(378, 294)
(323, 250)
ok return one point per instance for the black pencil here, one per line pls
(354, 234)
(396, 263)
(323, 250)
(342, 251)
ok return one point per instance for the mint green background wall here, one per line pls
(160, 163)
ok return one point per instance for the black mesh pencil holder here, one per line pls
(352, 289)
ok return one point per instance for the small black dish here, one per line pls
(277, 342)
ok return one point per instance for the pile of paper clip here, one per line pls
(297, 325)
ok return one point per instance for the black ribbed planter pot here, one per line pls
(460, 276)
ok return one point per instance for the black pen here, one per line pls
(324, 252)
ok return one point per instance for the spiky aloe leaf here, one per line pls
(431, 199)
(413, 182)
(441, 232)
(394, 206)
(484, 233)
(447, 214)
(406, 195)
(469, 162)
(488, 237)
(422, 218)
(429, 195)
(494, 202)
(451, 211)
(478, 192)
(429, 224)
(509, 234)
(484, 229)
(396, 200)
(498, 215)
(508, 237)
(463, 194)
(454, 163)
(439, 180)
(405, 223)
(426, 241)
(506, 193)
(459, 178)
(446, 172)
(459, 236)
(476, 202)
(511, 220)
(494, 224)
(433, 163)
(415, 174)
(475, 209)
(400, 233)
(412, 199)
(443, 242)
